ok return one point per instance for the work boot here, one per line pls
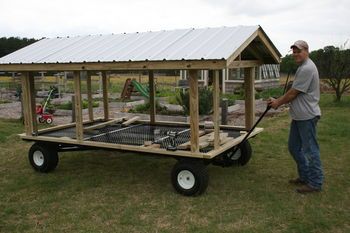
(297, 181)
(307, 189)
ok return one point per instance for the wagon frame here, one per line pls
(189, 175)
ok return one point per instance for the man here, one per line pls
(303, 97)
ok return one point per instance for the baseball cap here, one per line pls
(300, 44)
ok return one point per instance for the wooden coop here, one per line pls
(193, 144)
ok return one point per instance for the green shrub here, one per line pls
(145, 108)
(68, 105)
(205, 101)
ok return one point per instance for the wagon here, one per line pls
(193, 144)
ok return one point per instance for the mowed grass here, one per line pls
(98, 191)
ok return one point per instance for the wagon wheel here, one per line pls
(43, 157)
(49, 120)
(41, 119)
(189, 177)
(240, 157)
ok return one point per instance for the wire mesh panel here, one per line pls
(138, 134)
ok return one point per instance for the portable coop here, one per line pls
(193, 50)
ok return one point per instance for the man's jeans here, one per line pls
(304, 148)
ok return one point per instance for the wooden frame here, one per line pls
(89, 96)
(194, 110)
(78, 107)
(84, 69)
(152, 96)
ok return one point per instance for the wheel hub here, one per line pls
(38, 158)
(186, 179)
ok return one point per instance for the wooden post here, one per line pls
(89, 95)
(25, 101)
(152, 99)
(105, 96)
(28, 99)
(32, 106)
(216, 103)
(78, 107)
(224, 111)
(249, 78)
(73, 108)
(194, 110)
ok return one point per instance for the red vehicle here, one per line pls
(42, 114)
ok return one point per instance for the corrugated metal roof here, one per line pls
(183, 44)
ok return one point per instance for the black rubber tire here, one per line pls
(243, 155)
(199, 172)
(41, 120)
(47, 153)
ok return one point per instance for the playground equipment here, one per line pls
(129, 87)
(41, 111)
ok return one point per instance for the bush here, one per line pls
(68, 105)
(145, 108)
(205, 101)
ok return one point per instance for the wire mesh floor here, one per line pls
(137, 134)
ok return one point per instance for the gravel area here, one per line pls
(13, 111)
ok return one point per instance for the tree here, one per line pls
(288, 65)
(333, 66)
(11, 44)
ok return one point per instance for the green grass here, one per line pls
(97, 191)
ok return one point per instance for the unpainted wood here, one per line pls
(216, 105)
(105, 95)
(130, 121)
(104, 124)
(111, 66)
(152, 97)
(89, 96)
(78, 107)
(249, 90)
(194, 110)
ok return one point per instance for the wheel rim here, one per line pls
(49, 120)
(38, 158)
(186, 179)
(236, 156)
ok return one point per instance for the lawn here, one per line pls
(123, 192)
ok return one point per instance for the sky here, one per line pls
(320, 23)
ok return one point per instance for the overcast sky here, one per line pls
(320, 23)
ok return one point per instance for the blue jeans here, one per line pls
(304, 148)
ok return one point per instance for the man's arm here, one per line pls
(286, 98)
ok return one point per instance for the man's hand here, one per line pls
(274, 103)
(286, 98)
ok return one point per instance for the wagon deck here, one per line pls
(141, 135)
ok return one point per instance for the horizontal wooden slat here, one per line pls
(109, 66)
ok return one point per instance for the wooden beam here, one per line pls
(244, 64)
(104, 124)
(105, 96)
(25, 103)
(89, 95)
(152, 95)
(78, 107)
(242, 47)
(194, 110)
(267, 43)
(249, 78)
(110, 66)
(32, 106)
(216, 105)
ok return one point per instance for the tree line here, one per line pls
(11, 44)
(333, 64)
